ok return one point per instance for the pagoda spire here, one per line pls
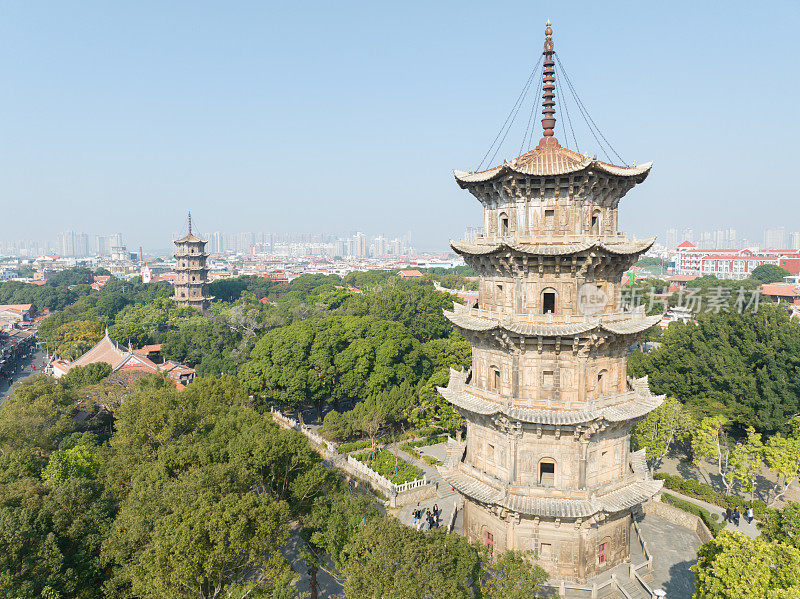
(190, 222)
(548, 90)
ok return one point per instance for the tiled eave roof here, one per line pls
(631, 405)
(625, 248)
(549, 161)
(461, 318)
(622, 499)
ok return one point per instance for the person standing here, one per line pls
(736, 516)
(728, 514)
(749, 515)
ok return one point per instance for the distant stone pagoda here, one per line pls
(547, 465)
(191, 272)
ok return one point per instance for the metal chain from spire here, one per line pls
(511, 116)
(587, 115)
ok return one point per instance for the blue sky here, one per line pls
(344, 116)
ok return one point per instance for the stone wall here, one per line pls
(679, 517)
(564, 549)
(415, 495)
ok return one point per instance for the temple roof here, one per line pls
(463, 319)
(550, 159)
(630, 405)
(624, 247)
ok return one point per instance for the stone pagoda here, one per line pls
(191, 272)
(547, 464)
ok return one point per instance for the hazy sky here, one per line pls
(344, 116)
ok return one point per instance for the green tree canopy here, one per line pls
(769, 273)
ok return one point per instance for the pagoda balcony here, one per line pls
(190, 255)
(637, 312)
(482, 239)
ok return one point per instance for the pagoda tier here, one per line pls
(570, 328)
(573, 506)
(636, 401)
(548, 404)
(534, 247)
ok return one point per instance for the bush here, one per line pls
(709, 519)
(353, 446)
(384, 464)
(429, 459)
(705, 492)
(336, 427)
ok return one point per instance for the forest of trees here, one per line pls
(194, 494)
(207, 460)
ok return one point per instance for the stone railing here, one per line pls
(288, 422)
(381, 481)
(609, 317)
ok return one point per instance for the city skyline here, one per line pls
(298, 120)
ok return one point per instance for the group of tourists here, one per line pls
(423, 518)
(733, 515)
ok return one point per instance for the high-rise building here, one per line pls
(794, 240)
(672, 240)
(360, 245)
(775, 239)
(191, 272)
(688, 235)
(546, 465)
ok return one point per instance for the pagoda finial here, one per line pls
(190, 222)
(548, 89)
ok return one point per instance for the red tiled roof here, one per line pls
(783, 290)
(16, 307)
(149, 349)
(687, 244)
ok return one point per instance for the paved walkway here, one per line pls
(707, 472)
(751, 530)
(446, 498)
(674, 550)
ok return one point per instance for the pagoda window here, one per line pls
(601, 553)
(549, 301)
(503, 224)
(546, 550)
(595, 228)
(489, 452)
(494, 378)
(548, 379)
(549, 219)
(602, 377)
(547, 473)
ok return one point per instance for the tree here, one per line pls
(514, 576)
(746, 460)
(709, 440)
(782, 457)
(390, 560)
(744, 366)
(657, 432)
(196, 538)
(734, 566)
(769, 273)
(80, 376)
(783, 525)
(76, 462)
